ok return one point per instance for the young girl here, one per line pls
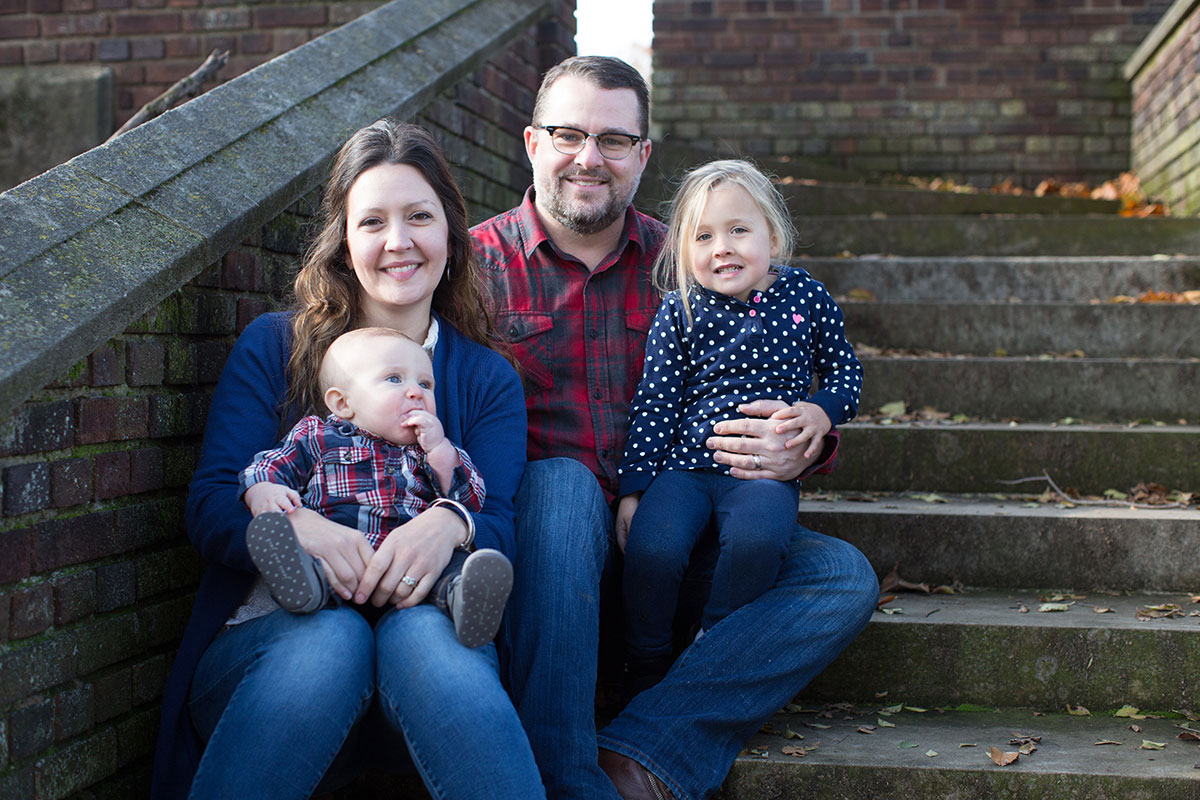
(733, 327)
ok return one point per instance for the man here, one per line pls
(569, 269)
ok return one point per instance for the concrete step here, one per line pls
(1047, 389)
(844, 764)
(1154, 330)
(979, 646)
(809, 199)
(998, 236)
(982, 279)
(1004, 541)
(974, 457)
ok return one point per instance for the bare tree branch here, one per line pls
(184, 89)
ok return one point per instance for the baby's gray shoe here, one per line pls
(478, 596)
(295, 578)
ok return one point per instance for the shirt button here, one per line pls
(758, 298)
(596, 394)
(753, 313)
(592, 334)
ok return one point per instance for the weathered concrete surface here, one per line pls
(1092, 389)
(965, 458)
(123, 225)
(982, 279)
(998, 236)
(1068, 764)
(49, 114)
(828, 199)
(990, 542)
(979, 647)
(1151, 330)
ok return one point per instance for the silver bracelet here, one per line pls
(461, 510)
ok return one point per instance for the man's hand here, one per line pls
(265, 496)
(812, 422)
(738, 441)
(624, 516)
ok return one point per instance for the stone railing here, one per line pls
(1164, 74)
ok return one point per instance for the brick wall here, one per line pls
(974, 89)
(150, 44)
(97, 577)
(1166, 110)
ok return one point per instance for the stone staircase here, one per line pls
(993, 311)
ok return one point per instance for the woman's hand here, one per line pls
(738, 441)
(343, 552)
(419, 549)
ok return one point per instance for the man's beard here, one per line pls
(586, 220)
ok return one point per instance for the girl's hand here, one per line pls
(737, 441)
(428, 429)
(419, 549)
(343, 552)
(808, 418)
(625, 511)
(265, 496)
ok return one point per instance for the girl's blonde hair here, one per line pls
(671, 268)
(326, 302)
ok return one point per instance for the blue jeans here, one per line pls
(294, 704)
(755, 521)
(689, 728)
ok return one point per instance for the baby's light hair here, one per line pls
(671, 267)
(332, 373)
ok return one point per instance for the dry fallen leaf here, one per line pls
(1078, 711)
(1149, 745)
(865, 729)
(1001, 758)
(794, 750)
(1128, 711)
(1108, 741)
(1055, 606)
(931, 753)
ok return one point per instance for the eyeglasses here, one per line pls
(570, 141)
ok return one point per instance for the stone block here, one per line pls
(32, 610)
(31, 727)
(50, 114)
(74, 596)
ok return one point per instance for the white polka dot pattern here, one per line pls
(734, 351)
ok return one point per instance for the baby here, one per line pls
(378, 460)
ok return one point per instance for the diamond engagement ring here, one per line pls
(409, 580)
(757, 462)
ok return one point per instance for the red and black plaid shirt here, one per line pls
(579, 336)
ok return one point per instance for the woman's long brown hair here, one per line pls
(326, 302)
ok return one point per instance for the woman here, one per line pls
(262, 703)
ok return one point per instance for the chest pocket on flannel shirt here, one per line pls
(638, 323)
(347, 471)
(529, 335)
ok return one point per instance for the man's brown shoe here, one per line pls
(633, 781)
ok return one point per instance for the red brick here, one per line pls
(30, 727)
(111, 471)
(11, 55)
(111, 419)
(78, 51)
(147, 48)
(143, 362)
(74, 597)
(70, 482)
(182, 47)
(255, 43)
(116, 586)
(32, 610)
(112, 4)
(75, 25)
(38, 427)
(26, 489)
(19, 28)
(113, 694)
(103, 366)
(152, 22)
(289, 17)
(45, 6)
(72, 540)
(146, 470)
(17, 547)
(79, 5)
(222, 19)
(73, 712)
(12, 6)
